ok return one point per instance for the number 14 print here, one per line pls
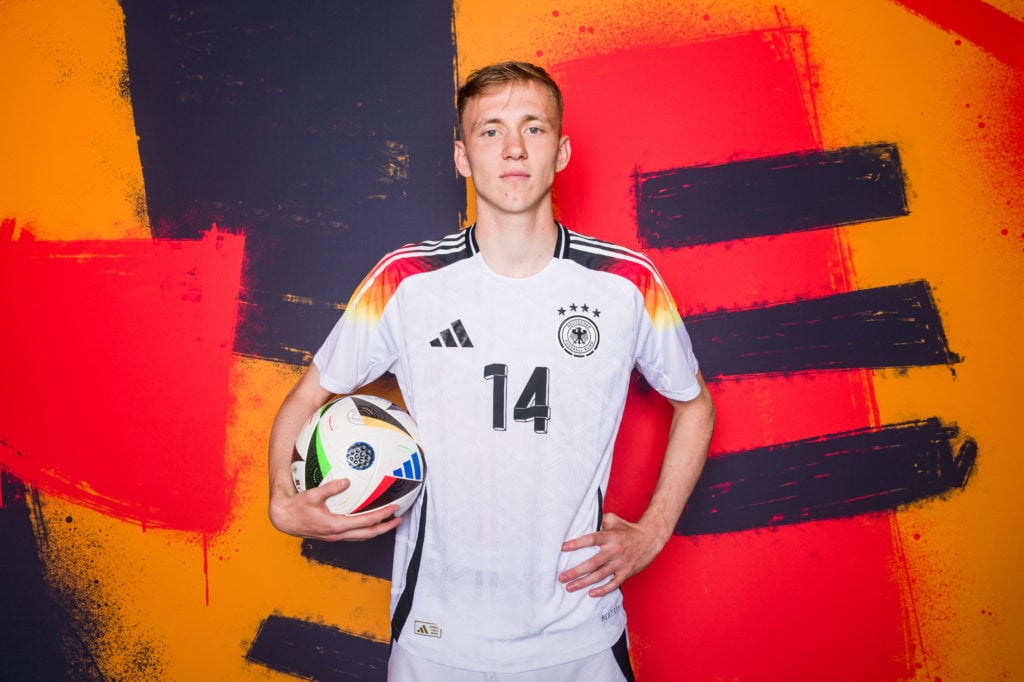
(532, 403)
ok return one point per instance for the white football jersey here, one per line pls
(518, 387)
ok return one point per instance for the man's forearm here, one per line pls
(304, 398)
(689, 436)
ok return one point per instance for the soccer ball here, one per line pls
(371, 442)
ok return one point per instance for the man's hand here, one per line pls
(306, 515)
(625, 550)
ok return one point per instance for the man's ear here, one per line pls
(564, 152)
(462, 160)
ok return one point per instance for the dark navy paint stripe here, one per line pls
(835, 476)
(39, 640)
(370, 557)
(894, 326)
(769, 196)
(317, 652)
(301, 124)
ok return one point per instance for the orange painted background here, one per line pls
(158, 603)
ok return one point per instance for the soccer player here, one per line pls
(512, 342)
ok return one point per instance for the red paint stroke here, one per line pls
(116, 359)
(791, 602)
(986, 26)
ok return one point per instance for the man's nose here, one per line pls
(514, 147)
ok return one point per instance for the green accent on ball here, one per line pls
(314, 460)
(321, 455)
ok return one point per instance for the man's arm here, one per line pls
(305, 514)
(627, 548)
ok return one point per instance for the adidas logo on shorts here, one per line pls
(455, 336)
(426, 629)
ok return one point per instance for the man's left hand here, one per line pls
(625, 549)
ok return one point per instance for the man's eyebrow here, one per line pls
(528, 118)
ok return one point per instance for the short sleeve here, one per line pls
(361, 346)
(664, 352)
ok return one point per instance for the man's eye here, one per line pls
(534, 130)
(490, 133)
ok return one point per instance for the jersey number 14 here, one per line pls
(532, 404)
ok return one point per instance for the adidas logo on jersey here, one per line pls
(427, 629)
(453, 337)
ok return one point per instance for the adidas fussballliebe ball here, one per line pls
(368, 440)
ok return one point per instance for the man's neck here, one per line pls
(517, 246)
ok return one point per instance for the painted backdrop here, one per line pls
(834, 192)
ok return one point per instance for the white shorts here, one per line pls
(610, 665)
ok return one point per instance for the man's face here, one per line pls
(512, 148)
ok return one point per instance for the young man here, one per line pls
(512, 342)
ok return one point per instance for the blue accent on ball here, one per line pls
(410, 468)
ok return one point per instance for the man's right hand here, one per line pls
(306, 515)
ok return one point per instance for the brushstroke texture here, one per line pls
(770, 196)
(317, 652)
(895, 326)
(116, 391)
(829, 477)
(35, 642)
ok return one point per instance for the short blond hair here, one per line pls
(495, 76)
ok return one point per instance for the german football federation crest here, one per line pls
(578, 333)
